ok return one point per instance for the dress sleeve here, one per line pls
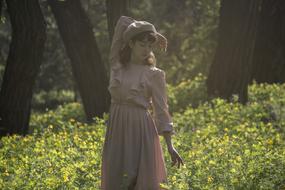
(117, 41)
(162, 118)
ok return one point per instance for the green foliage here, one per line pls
(65, 159)
(187, 93)
(232, 147)
(58, 117)
(271, 97)
(225, 145)
(51, 99)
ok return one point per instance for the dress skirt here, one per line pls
(132, 154)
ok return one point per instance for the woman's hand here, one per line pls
(175, 157)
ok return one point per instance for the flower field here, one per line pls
(225, 145)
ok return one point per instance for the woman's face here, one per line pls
(141, 49)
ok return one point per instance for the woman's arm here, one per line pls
(162, 117)
(117, 39)
(175, 157)
(167, 138)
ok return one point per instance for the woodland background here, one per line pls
(225, 69)
(57, 51)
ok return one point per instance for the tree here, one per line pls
(1, 1)
(269, 53)
(115, 9)
(230, 71)
(81, 47)
(23, 62)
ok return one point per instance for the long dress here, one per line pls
(132, 156)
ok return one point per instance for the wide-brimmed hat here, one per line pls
(137, 27)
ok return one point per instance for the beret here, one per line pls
(137, 27)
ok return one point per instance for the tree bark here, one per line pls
(88, 70)
(269, 54)
(23, 63)
(1, 3)
(115, 9)
(230, 71)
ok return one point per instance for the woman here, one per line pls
(132, 154)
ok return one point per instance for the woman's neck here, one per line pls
(135, 60)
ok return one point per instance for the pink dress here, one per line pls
(132, 155)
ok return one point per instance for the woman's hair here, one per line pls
(125, 53)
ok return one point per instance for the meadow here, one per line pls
(224, 144)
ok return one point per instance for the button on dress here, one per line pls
(132, 156)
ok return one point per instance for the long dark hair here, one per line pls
(125, 53)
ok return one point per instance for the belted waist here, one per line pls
(116, 102)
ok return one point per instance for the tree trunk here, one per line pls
(88, 70)
(1, 3)
(230, 71)
(269, 54)
(23, 63)
(115, 9)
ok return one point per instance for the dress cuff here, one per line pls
(163, 127)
